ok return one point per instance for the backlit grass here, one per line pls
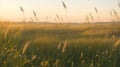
(59, 45)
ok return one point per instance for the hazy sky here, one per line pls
(77, 10)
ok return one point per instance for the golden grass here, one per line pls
(25, 47)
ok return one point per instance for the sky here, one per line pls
(46, 10)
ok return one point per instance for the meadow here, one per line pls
(59, 44)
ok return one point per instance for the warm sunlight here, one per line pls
(46, 10)
(59, 33)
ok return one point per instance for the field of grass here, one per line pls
(59, 45)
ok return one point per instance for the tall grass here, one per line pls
(96, 10)
(49, 46)
(118, 3)
(92, 18)
(35, 15)
(65, 7)
(22, 10)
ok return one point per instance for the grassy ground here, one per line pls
(59, 45)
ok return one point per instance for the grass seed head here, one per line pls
(64, 5)
(118, 3)
(56, 64)
(25, 47)
(59, 45)
(91, 16)
(34, 57)
(96, 10)
(117, 43)
(21, 8)
(64, 46)
(34, 13)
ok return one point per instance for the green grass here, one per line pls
(59, 45)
